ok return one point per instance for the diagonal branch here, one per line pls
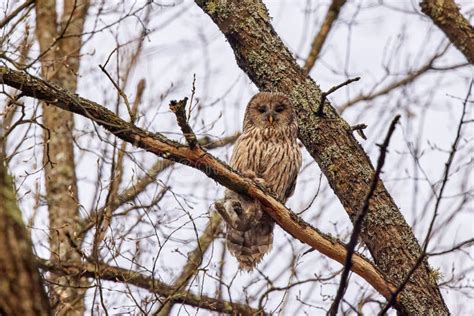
(15, 12)
(446, 15)
(143, 182)
(320, 38)
(199, 159)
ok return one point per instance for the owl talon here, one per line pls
(234, 215)
(264, 185)
(252, 175)
(249, 174)
(237, 208)
(260, 182)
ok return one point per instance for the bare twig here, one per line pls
(320, 111)
(194, 261)
(359, 128)
(15, 12)
(448, 164)
(285, 288)
(361, 217)
(138, 98)
(179, 109)
(120, 91)
(459, 246)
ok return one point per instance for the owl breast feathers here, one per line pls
(268, 153)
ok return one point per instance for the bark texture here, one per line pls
(21, 286)
(263, 56)
(446, 15)
(60, 44)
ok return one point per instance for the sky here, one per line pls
(380, 41)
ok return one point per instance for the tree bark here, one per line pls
(60, 44)
(263, 56)
(446, 15)
(21, 285)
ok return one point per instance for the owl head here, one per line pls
(269, 110)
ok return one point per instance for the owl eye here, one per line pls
(262, 109)
(279, 108)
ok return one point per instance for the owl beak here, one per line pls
(270, 119)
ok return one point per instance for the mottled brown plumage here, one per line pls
(268, 153)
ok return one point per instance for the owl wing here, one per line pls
(292, 179)
(243, 155)
(291, 189)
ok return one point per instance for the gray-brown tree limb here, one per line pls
(269, 64)
(141, 280)
(446, 15)
(320, 38)
(197, 158)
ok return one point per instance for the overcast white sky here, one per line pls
(184, 41)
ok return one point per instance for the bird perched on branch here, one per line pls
(268, 153)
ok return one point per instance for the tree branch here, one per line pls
(139, 279)
(446, 15)
(333, 89)
(197, 158)
(179, 109)
(15, 12)
(320, 38)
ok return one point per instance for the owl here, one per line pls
(268, 153)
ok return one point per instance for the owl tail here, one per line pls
(249, 247)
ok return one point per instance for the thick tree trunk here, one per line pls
(21, 286)
(446, 15)
(59, 48)
(263, 56)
